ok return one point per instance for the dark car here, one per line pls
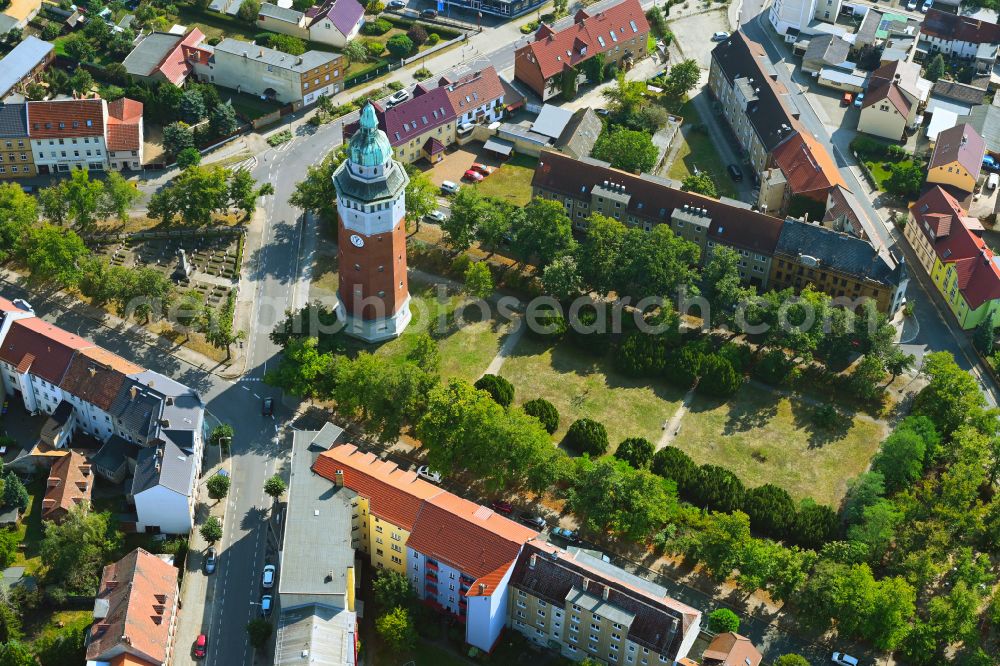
(502, 507)
(534, 521)
(211, 559)
(200, 646)
(268, 407)
(429, 13)
(735, 172)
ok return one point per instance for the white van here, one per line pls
(993, 181)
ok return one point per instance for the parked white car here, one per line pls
(267, 580)
(844, 659)
(426, 472)
(398, 97)
(449, 187)
(720, 36)
(927, 6)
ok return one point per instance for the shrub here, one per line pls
(460, 264)
(375, 49)
(595, 343)
(771, 510)
(718, 377)
(544, 411)
(672, 463)
(400, 46)
(376, 27)
(737, 354)
(423, 73)
(433, 38)
(501, 390)
(682, 366)
(722, 619)
(587, 436)
(548, 325)
(641, 355)
(636, 451)
(717, 488)
(395, 85)
(417, 34)
(774, 368)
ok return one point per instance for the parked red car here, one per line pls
(200, 646)
(502, 507)
(474, 176)
(482, 168)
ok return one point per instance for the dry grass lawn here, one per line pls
(766, 438)
(583, 386)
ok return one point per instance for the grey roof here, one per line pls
(302, 63)
(7, 22)
(114, 453)
(55, 423)
(985, 119)
(326, 633)
(959, 92)
(182, 408)
(551, 121)
(174, 471)
(136, 412)
(317, 540)
(598, 606)
(522, 133)
(282, 14)
(13, 121)
(868, 28)
(580, 134)
(327, 436)
(150, 52)
(826, 50)
(19, 62)
(389, 187)
(836, 251)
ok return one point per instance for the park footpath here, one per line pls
(199, 592)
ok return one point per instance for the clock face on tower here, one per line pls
(357, 240)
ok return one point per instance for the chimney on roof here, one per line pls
(532, 561)
(586, 582)
(338, 478)
(133, 392)
(604, 592)
(93, 371)
(482, 588)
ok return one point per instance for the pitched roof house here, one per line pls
(33, 345)
(70, 483)
(808, 169)
(957, 158)
(164, 56)
(895, 92)
(731, 649)
(66, 118)
(332, 22)
(125, 133)
(957, 35)
(135, 611)
(619, 32)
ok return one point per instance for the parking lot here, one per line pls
(693, 35)
(457, 161)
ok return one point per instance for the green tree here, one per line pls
(900, 459)
(16, 653)
(561, 278)
(393, 590)
(9, 543)
(862, 492)
(791, 659)
(771, 510)
(73, 551)
(877, 528)
(316, 193)
(544, 232)
(188, 157)
(951, 397)
(460, 227)
(117, 197)
(396, 628)
(613, 497)
(14, 492)
(636, 451)
(244, 192)
(81, 82)
(720, 279)
(355, 51)
(682, 79)
(221, 434)
(718, 489)
(18, 212)
(53, 254)
(935, 68)
(223, 121)
(478, 280)
(701, 183)
(249, 11)
(815, 524)
(65, 646)
(587, 436)
(400, 46)
(718, 377)
(78, 48)
(905, 180)
(176, 137)
(599, 254)
(719, 544)
(722, 620)
(625, 97)
(196, 194)
(655, 263)
(672, 463)
(258, 629)
(628, 150)
(287, 44)
(275, 487)
(302, 370)
(211, 530)
(544, 411)
(218, 487)
(192, 107)
(501, 390)
(421, 195)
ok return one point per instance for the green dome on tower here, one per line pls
(369, 145)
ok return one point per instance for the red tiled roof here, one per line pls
(51, 348)
(489, 582)
(415, 116)
(55, 119)
(392, 494)
(70, 483)
(655, 200)
(8, 306)
(939, 210)
(96, 376)
(473, 90)
(808, 168)
(141, 591)
(432, 146)
(124, 121)
(890, 92)
(946, 26)
(554, 51)
(175, 66)
(731, 649)
(961, 144)
(470, 537)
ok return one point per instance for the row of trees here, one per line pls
(199, 193)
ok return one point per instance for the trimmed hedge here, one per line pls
(544, 411)
(501, 390)
(587, 436)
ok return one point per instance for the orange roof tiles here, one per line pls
(8, 306)
(51, 347)
(70, 483)
(141, 593)
(124, 123)
(392, 494)
(731, 649)
(556, 50)
(55, 119)
(472, 538)
(807, 166)
(96, 375)
(474, 90)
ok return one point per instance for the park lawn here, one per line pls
(512, 181)
(583, 386)
(697, 149)
(30, 530)
(763, 437)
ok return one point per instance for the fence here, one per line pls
(236, 230)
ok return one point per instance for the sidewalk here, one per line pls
(198, 591)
